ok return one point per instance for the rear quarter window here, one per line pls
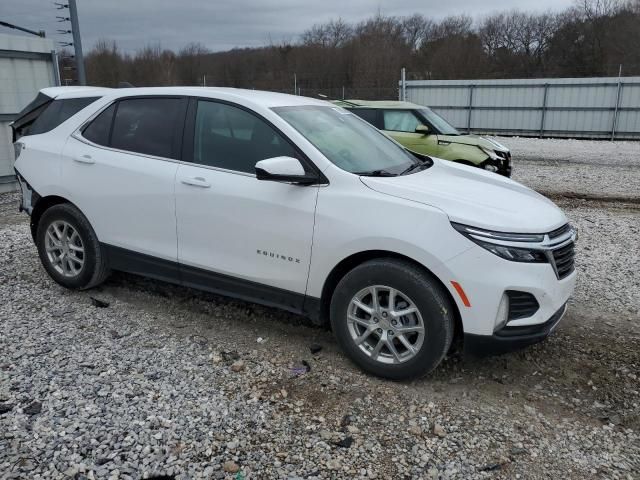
(57, 112)
(99, 130)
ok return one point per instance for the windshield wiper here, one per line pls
(414, 166)
(376, 173)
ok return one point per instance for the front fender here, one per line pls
(468, 153)
(348, 224)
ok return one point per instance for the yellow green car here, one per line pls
(423, 131)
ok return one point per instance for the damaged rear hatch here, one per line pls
(29, 114)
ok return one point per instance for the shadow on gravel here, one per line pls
(201, 302)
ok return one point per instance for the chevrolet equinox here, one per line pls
(295, 203)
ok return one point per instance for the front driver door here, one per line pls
(236, 234)
(401, 126)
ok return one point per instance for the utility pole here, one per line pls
(75, 31)
(77, 42)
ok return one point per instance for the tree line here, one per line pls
(592, 38)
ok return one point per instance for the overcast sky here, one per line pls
(221, 25)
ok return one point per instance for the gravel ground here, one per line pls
(562, 151)
(165, 382)
(589, 169)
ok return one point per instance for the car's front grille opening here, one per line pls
(521, 305)
(564, 259)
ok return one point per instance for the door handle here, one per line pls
(84, 159)
(196, 182)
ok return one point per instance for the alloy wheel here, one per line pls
(65, 249)
(385, 324)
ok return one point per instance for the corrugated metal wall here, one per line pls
(26, 66)
(605, 107)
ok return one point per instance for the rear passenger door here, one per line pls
(120, 170)
(232, 226)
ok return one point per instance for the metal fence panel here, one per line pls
(604, 107)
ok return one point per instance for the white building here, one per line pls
(27, 64)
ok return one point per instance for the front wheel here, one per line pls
(392, 318)
(69, 248)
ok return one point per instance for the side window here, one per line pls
(229, 137)
(368, 114)
(147, 125)
(99, 129)
(400, 121)
(57, 112)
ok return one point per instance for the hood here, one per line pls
(474, 197)
(476, 140)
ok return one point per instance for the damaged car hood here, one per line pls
(474, 197)
(474, 140)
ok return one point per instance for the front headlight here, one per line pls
(510, 246)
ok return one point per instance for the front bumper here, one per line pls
(509, 339)
(501, 166)
(485, 278)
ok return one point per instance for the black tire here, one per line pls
(425, 292)
(94, 269)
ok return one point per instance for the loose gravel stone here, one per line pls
(439, 431)
(237, 366)
(231, 466)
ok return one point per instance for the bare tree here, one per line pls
(592, 9)
(104, 64)
(190, 69)
(416, 29)
(334, 34)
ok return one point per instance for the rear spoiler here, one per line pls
(45, 96)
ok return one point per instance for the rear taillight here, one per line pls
(17, 149)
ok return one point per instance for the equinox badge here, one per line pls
(278, 256)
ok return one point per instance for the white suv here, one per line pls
(295, 203)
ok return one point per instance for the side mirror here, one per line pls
(284, 169)
(423, 129)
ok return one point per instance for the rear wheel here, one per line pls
(392, 318)
(69, 249)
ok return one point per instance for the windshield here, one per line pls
(440, 124)
(348, 141)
